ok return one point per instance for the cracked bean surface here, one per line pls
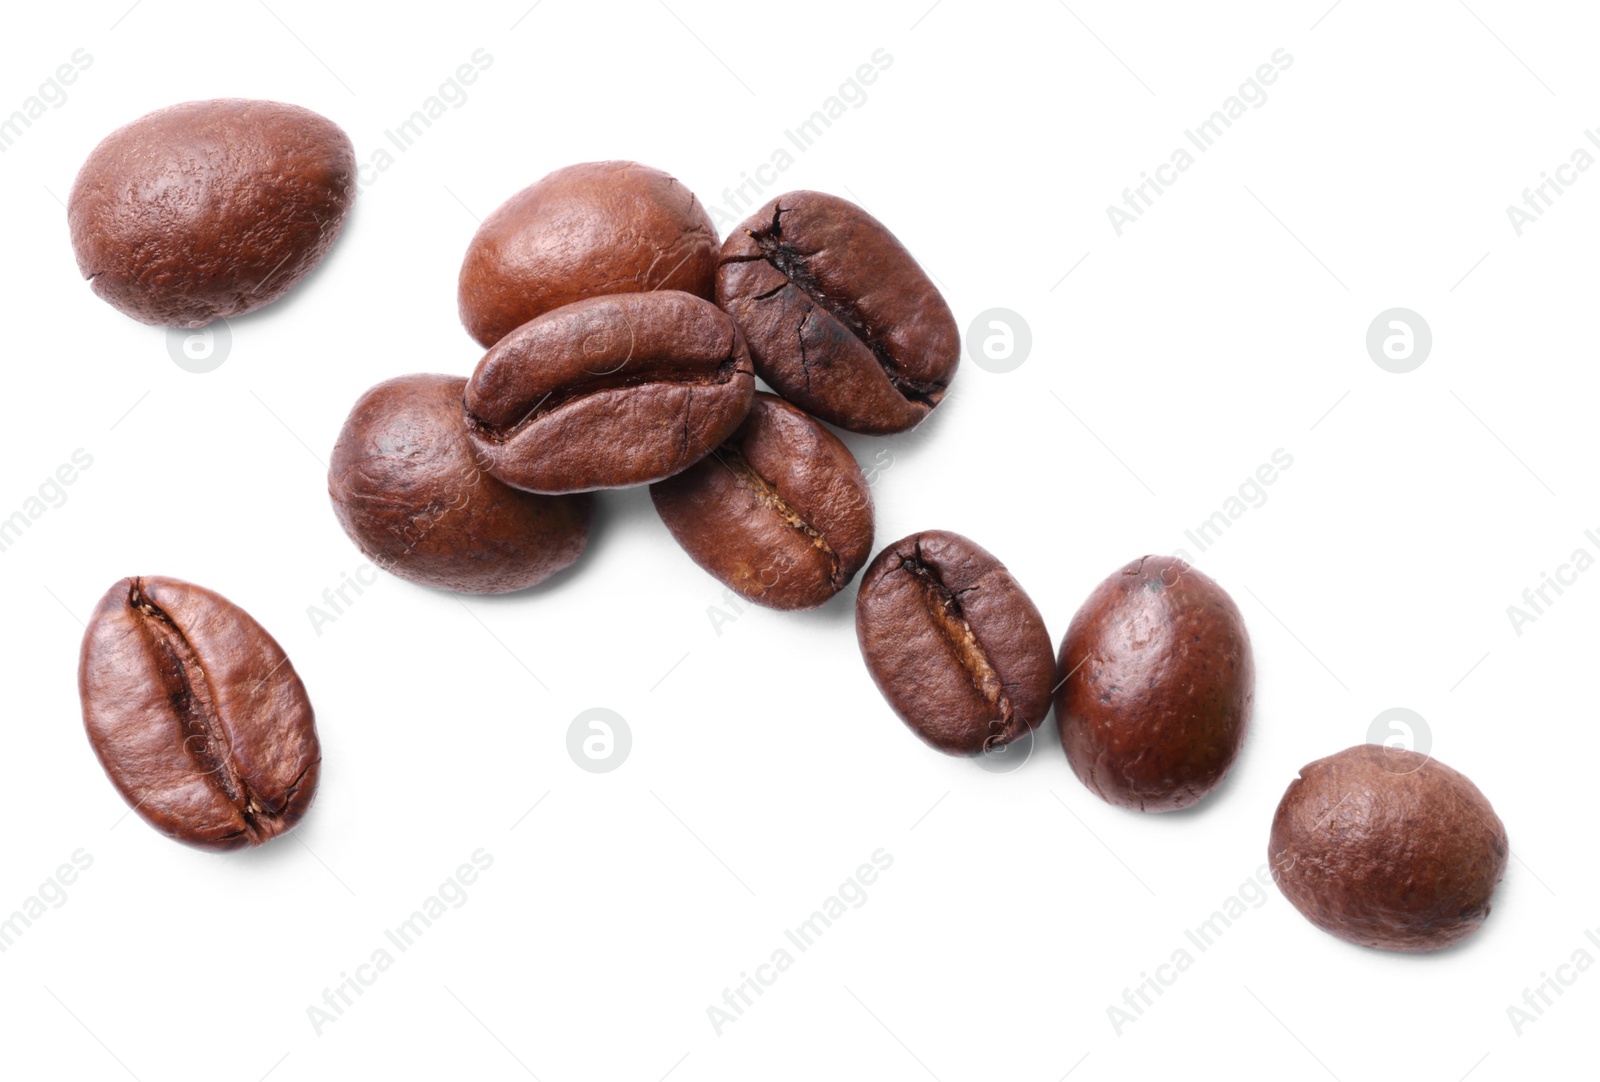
(780, 513)
(954, 643)
(196, 714)
(839, 317)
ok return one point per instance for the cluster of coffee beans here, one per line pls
(623, 343)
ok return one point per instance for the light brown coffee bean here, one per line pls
(210, 209)
(196, 714)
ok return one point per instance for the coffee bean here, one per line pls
(1156, 686)
(584, 231)
(609, 392)
(955, 645)
(210, 209)
(839, 317)
(780, 513)
(197, 715)
(1388, 848)
(407, 488)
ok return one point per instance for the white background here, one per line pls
(1225, 324)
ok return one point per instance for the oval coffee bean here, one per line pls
(1387, 848)
(609, 392)
(780, 513)
(839, 317)
(196, 714)
(955, 645)
(210, 208)
(1157, 684)
(584, 231)
(407, 488)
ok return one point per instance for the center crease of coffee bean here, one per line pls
(944, 605)
(205, 735)
(684, 374)
(769, 496)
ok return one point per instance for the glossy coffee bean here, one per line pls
(780, 513)
(955, 645)
(1388, 848)
(210, 208)
(1157, 682)
(587, 230)
(407, 488)
(609, 392)
(197, 716)
(839, 317)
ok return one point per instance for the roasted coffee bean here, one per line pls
(839, 318)
(955, 645)
(197, 715)
(210, 209)
(609, 392)
(587, 230)
(780, 513)
(1387, 848)
(1156, 686)
(408, 490)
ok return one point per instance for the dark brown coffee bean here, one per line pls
(839, 318)
(408, 490)
(609, 392)
(1156, 686)
(587, 230)
(210, 208)
(954, 643)
(780, 513)
(1387, 848)
(197, 715)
